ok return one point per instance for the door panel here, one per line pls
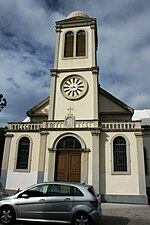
(58, 207)
(68, 166)
(59, 202)
(31, 202)
(32, 208)
(74, 167)
(62, 167)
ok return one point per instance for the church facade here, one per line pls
(81, 133)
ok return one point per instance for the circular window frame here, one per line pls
(80, 89)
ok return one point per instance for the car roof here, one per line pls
(63, 183)
(66, 183)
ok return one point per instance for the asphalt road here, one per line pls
(119, 214)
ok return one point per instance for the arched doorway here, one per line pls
(68, 160)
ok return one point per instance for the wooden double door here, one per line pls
(68, 166)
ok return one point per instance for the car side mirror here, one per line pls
(25, 196)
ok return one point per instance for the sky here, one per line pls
(27, 45)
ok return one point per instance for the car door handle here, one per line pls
(42, 200)
(67, 199)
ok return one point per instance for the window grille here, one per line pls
(23, 153)
(68, 143)
(119, 154)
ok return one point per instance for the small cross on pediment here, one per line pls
(70, 109)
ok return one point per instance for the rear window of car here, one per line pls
(92, 191)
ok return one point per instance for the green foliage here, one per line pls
(2, 141)
(3, 102)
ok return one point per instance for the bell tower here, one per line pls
(74, 79)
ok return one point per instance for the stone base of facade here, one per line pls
(126, 199)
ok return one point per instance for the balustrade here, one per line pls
(120, 125)
(78, 124)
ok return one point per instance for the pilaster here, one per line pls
(93, 44)
(84, 165)
(58, 32)
(140, 161)
(42, 153)
(51, 164)
(52, 94)
(96, 160)
(8, 138)
(95, 71)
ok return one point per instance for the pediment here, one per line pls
(40, 111)
(111, 108)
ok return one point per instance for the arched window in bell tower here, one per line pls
(80, 43)
(69, 42)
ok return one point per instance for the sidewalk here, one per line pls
(125, 214)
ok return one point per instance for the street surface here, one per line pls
(119, 214)
(125, 214)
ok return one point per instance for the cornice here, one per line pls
(55, 72)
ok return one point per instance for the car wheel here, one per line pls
(7, 215)
(81, 218)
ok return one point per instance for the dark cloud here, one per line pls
(54, 4)
(27, 45)
(126, 11)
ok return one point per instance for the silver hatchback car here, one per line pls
(59, 202)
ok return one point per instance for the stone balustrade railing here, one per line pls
(24, 126)
(120, 125)
(77, 124)
(52, 124)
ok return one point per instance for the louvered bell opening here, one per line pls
(69, 44)
(80, 51)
